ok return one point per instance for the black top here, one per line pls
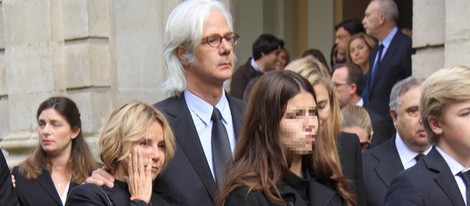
(89, 194)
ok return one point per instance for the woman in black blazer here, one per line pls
(60, 161)
(279, 160)
(136, 143)
(348, 153)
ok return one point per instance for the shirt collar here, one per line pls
(388, 39)
(203, 109)
(405, 153)
(455, 167)
(254, 65)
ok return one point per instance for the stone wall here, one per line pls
(99, 53)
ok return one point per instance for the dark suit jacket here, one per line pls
(351, 163)
(37, 192)
(93, 195)
(430, 182)
(381, 165)
(395, 66)
(7, 194)
(188, 179)
(241, 78)
(320, 194)
(383, 128)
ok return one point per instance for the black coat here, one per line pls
(351, 163)
(381, 164)
(37, 192)
(93, 195)
(320, 194)
(429, 183)
(188, 180)
(7, 194)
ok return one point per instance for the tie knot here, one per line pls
(381, 46)
(419, 156)
(465, 177)
(216, 115)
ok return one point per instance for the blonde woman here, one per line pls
(136, 144)
(347, 157)
(356, 120)
(358, 50)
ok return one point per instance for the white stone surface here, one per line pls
(88, 63)
(427, 60)
(84, 18)
(428, 22)
(457, 21)
(26, 22)
(457, 52)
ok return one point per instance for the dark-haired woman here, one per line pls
(62, 159)
(279, 160)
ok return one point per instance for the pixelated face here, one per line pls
(359, 51)
(453, 129)
(371, 19)
(299, 125)
(214, 65)
(408, 122)
(55, 133)
(343, 89)
(152, 149)
(341, 39)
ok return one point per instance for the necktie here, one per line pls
(419, 156)
(221, 151)
(376, 66)
(466, 179)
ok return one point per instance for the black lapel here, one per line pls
(389, 163)
(186, 135)
(45, 181)
(444, 177)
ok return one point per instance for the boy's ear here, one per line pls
(435, 125)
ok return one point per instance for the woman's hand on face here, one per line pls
(140, 176)
(101, 177)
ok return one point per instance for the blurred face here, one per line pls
(282, 60)
(323, 100)
(359, 51)
(298, 128)
(408, 122)
(271, 60)
(214, 65)
(55, 133)
(343, 90)
(454, 131)
(153, 148)
(372, 18)
(341, 39)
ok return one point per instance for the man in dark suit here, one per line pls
(382, 163)
(348, 82)
(266, 50)
(198, 61)
(390, 59)
(7, 193)
(441, 178)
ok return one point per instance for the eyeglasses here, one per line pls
(215, 40)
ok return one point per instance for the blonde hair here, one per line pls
(356, 116)
(442, 88)
(126, 125)
(370, 42)
(317, 73)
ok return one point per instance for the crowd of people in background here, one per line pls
(359, 130)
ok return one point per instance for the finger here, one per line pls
(140, 164)
(148, 170)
